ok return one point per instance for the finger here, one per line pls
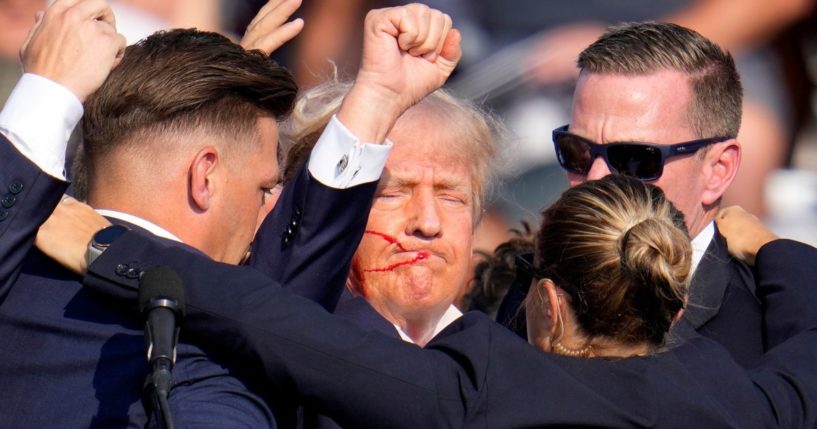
(423, 19)
(407, 28)
(60, 5)
(122, 44)
(94, 9)
(274, 40)
(452, 51)
(271, 4)
(435, 37)
(447, 24)
(274, 14)
(38, 19)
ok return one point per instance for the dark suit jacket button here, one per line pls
(133, 273)
(3, 215)
(8, 201)
(294, 223)
(121, 269)
(16, 187)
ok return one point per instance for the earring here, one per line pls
(561, 349)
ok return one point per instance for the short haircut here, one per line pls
(620, 250)
(478, 131)
(647, 47)
(181, 81)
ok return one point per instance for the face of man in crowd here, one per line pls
(414, 257)
(652, 108)
(242, 203)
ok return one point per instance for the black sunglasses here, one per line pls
(641, 160)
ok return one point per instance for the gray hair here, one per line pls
(479, 131)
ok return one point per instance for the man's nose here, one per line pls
(598, 169)
(424, 216)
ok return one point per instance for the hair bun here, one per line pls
(657, 257)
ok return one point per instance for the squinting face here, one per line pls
(414, 257)
(246, 191)
(650, 109)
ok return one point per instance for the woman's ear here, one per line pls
(554, 305)
(542, 311)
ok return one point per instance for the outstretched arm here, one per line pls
(786, 272)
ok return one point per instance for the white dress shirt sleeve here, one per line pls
(38, 119)
(340, 160)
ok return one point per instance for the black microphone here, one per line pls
(161, 300)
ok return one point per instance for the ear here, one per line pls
(553, 306)
(721, 165)
(680, 312)
(202, 171)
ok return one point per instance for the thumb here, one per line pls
(451, 52)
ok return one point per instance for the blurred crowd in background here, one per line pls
(519, 63)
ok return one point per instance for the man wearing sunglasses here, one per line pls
(662, 103)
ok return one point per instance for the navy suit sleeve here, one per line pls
(474, 374)
(786, 273)
(306, 243)
(27, 198)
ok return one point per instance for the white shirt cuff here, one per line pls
(340, 160)
(38, 118)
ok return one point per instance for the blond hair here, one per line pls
(620, 250)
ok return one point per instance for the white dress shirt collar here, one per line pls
(700, 243)
(450, 315)
(142, 223)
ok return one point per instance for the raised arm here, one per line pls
(68, 53)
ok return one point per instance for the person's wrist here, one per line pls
(100, 242)
(369, 112)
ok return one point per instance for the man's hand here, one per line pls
(75, 44)
(408, 52)
(64, 237)
(269, 30)
(744, 233)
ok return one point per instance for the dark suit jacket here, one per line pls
(722, 304)
(27, 197)
(476, 373)
(74, 360)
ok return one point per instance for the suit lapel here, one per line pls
(709, 283)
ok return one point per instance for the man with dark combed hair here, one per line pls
(181, 145)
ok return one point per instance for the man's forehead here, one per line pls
(651, 108)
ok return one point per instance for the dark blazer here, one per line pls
(722, 304)
(476, 373)
(27, 197)
(73, 360)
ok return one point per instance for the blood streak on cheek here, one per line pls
(419, 257)
(388, 238)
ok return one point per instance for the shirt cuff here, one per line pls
(38, 119)
(340, 160)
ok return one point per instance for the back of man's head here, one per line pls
(648, 47)
(179, 82)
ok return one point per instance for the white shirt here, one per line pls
(38, 118)
(700, 243)
(450, 315)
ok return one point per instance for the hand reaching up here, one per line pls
(75, 44)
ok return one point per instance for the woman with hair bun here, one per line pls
(611, 270)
